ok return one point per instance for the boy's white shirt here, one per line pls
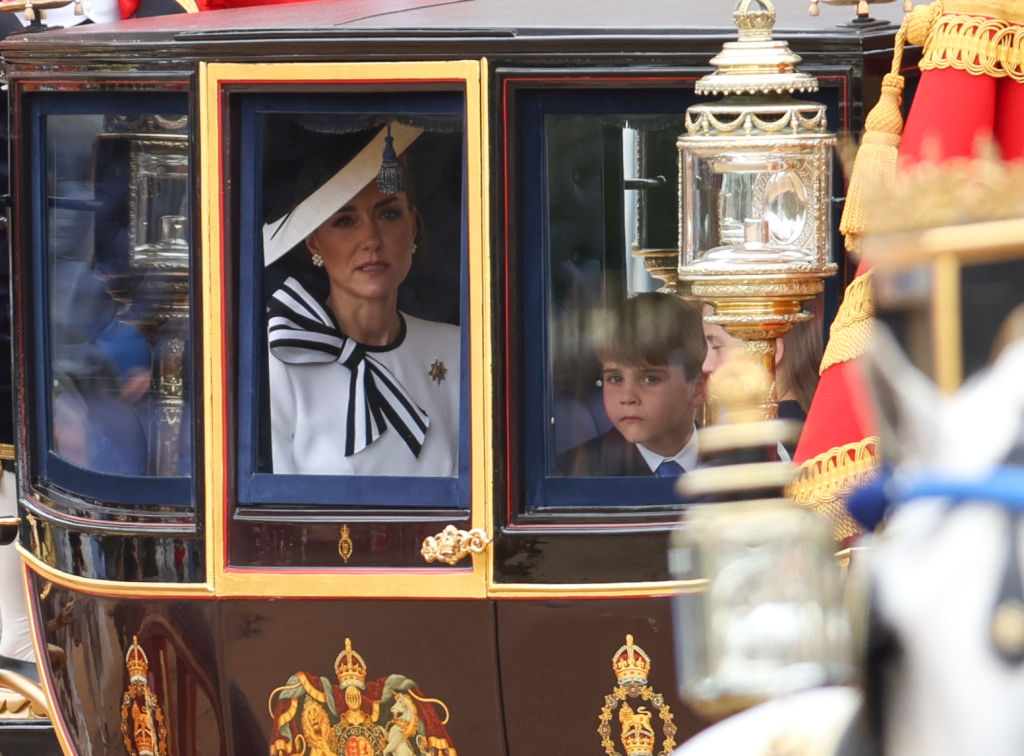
(686, 457)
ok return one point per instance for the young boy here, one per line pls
(651, 355)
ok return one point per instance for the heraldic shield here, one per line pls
(355, 716)
(631, 697)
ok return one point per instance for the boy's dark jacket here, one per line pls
(608, 454)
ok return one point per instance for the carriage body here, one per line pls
(185, 596)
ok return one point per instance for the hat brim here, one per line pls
(281, 235)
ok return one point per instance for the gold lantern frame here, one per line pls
(757, 299)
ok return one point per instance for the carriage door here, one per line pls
(346, 476)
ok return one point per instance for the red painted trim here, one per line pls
(583, 527)
(291, 82)
(60, 516)
(335, 571)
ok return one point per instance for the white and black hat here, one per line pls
(371, 154)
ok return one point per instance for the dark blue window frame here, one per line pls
(107, 488)
(254, 486)
(543, 491)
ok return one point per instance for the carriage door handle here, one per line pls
(452, 544)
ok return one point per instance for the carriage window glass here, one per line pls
(627, 355)
(116, 250)
(611, 184)
(356, 243)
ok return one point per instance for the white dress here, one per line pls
(400, 399)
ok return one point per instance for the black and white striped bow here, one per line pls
(302, 331)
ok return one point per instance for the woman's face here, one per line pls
(367, 245)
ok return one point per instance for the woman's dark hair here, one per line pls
(323, 155)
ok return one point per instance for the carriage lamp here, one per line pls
(152, 279)
(755, 173)
(760, 613)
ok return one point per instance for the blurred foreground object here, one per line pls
(941, 670)
(970, 88)
(764, 617)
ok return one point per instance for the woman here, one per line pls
(357, 387)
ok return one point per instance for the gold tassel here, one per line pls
(879, 148)
(79, 10)
(813, 10)
(908, 5)
(863, 8)
(883, 128)
(30, 11)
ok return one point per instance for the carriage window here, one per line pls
(115, 258)
(353, 246)
(627, 356)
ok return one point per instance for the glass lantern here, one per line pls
(761, 614)
(755, 177)
(770, 619)
(757, 202)
(755, 166)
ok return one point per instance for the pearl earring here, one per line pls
(412, 250)
(318, 260)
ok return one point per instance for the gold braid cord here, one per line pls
(851, 329)
(982, 38)
(879, 148)
(823, 483)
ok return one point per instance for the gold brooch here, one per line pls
(438, 371)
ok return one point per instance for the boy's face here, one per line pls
(652, 405)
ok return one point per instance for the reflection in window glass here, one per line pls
(611, 188)
(612, 220)
(118, 258)
(797, 359)
(362, 240)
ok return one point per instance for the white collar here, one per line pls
(686, 457)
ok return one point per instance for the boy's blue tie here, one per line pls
(669, 469)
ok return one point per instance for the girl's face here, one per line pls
(367, 245)
(721, 345)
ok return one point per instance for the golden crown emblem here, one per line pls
(137, 662)
(631, 664)
(350, 667)
(145, 738)
(638, 743)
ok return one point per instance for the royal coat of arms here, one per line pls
(314, 716)
(632, 697)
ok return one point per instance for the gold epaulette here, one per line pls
(850, 332)
(981, 37)
(7, 451)
(823, 483)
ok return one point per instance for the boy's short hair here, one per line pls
(654, 329)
